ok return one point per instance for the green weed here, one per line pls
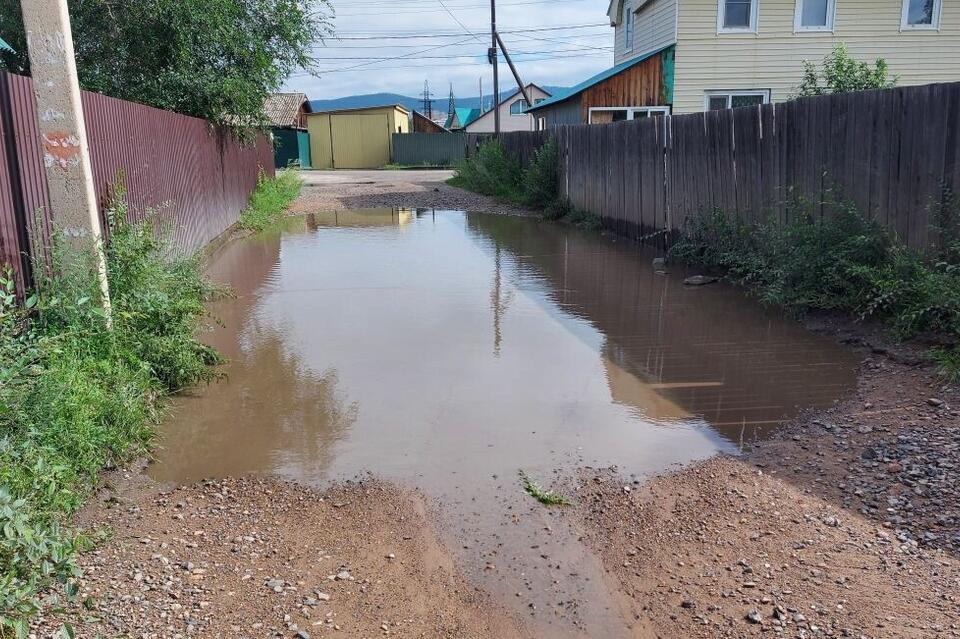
(546, 497)
(840, 262)
(492, 171)
(270, 200)
(77, 395)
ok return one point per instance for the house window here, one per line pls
(605, 115)
(719, 100)
(627, 27)
(737, 16)
(814, 15)
(920, 14)
(518, 107)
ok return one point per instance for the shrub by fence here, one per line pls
(195, 176)
(892, 153)
(436, 149)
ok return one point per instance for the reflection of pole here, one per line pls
(496, 303)
(63, 134)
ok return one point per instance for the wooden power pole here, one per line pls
(492, 54)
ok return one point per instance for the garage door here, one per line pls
(361, 141)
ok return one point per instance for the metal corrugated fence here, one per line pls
(439, 149)
(197, 178)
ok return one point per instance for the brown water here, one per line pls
(448, 350)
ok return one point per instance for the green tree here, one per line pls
(214, 59)
(840, 73)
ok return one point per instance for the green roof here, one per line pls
(563, 96)
(464, 117)
(5, 47)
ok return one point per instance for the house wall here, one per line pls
(640, 85)
(772, 58)
(567, 112)
(655, 26)
(508, 122)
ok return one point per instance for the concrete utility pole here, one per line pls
(492, 55)
(63, 134)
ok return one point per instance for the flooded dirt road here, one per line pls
(447, 351)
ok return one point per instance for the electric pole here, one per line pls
(63, 135)
(427, 100)
(492, 55)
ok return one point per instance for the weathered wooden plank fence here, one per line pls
(198, 178)
(893, 153)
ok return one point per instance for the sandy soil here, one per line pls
(263, 558)
(845, 524)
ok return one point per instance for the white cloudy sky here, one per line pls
(555, 42)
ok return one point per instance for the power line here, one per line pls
(394, 35)
(465, 55)
(457, 20)
(460, 64)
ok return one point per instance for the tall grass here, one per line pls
(840, 262)
(493, 171)
(76, 395)
(270, 200)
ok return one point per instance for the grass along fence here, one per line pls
(894, 154)
(196, 177)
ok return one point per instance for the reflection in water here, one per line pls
(361, 341)
(708, 350)
(448, 350)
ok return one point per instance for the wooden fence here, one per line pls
(196, 177)
(893, 153)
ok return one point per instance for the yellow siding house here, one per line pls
(355, 138)
(732, 53)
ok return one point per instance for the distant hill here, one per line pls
(378, 99)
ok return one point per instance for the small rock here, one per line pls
(754, 617)
(700, 280)
(688, 604)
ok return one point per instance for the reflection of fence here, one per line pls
(434, 149)
(197, 177)
(893, 153)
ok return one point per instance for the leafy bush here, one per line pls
(491, 171)
(540, 180)
(843, 262)
(270, 199)
(842, 73)
(77, 395)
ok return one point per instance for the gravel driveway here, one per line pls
(416, 188)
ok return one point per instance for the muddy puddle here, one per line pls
(449, 350)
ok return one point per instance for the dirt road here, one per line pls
(359, 189)
(845, 524)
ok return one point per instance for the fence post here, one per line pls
(63, 135)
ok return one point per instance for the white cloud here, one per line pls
(554, 57)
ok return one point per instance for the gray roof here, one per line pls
(282, 108)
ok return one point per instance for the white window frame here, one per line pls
(632, 111)
(729, 93)
(628, 27)
(754, 14)
(831, 18)
(934, 23)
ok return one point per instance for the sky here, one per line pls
(552, 42)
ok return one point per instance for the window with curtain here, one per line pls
(921, 14)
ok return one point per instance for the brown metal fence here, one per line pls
(194, 177)
(893, 153)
